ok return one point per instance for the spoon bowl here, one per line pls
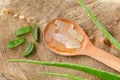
(62, 50)
(87, 48)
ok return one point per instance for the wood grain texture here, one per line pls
(43, 11)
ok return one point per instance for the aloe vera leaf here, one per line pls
(100, 26)
(104, 75)
(63, 75)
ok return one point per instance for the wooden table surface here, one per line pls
(42, 11)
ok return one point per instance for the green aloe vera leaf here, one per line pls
(104, 75)
(63, 75)
(99, 25)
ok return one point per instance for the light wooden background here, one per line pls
(42, 11)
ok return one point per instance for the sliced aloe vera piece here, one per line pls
(30, 48)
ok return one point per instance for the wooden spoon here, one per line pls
(87, 48)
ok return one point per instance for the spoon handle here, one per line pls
(104, 57)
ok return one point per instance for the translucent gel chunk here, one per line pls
(59, 24)
(60, 38)
(67, 35)
(50, 32)
(73, 44)
(75, 34)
